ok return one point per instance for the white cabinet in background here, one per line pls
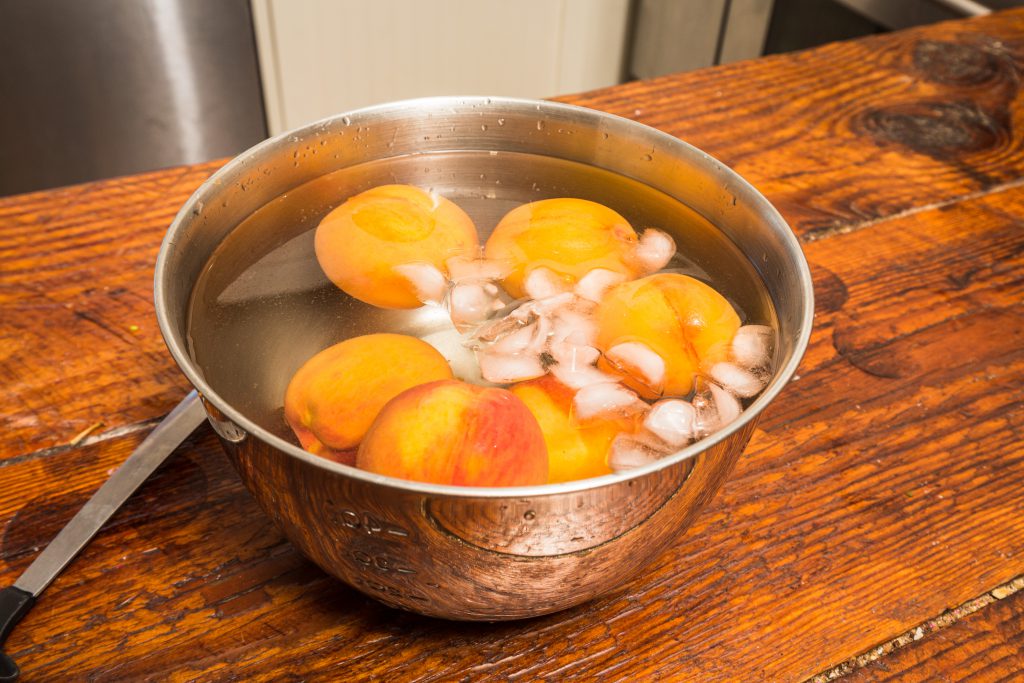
(321, 57)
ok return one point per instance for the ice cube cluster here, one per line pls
(553, 331)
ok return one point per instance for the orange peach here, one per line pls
(360, 243)
(451, 432)
(575, 451)
(332, 400)
(569, 237)
(659, 331)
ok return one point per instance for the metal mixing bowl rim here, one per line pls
(253, 430)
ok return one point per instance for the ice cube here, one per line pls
(714, 408)
(530, 340)
(428, 282)
(740, 382)
(752, 346)
(672, 421)
(501, 368)
(594, 284)
(573, 356)
(546, 306)
(580, 377)
(628, 451)
(570, 325)
(542, 283)
(640, 361)
(654, 250)
(606, 400)
(471, 303)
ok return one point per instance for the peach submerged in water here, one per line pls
(568, 237)
(575, 450)
(659, 331)
(332, 400)
(361, 243)
(451, 432)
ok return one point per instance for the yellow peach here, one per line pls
(451, 432)
(335, 396)
(575, 451)
(568, 236)
(683, 321)
(360, 243)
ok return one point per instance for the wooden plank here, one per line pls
(880, 489)
(79, 343)
(984, 647)
(858, 130)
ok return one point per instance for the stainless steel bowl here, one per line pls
(481, 553)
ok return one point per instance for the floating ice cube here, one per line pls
(542, 283)
(536, 307)
(639, 360)
(654, 250)
(628, 451)
(573, 356)
(606, 399)
(737, 380)
(501, 368)
(428, 282)
(672, 421)
(530, 339)
(714, 407)
(597, 282)
(471, 303)
(752, 346)
(568, 324)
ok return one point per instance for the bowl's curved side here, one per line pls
(435, 555)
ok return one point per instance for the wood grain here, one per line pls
(985, 647)
(79, 343)
(836, 137)
(854, 131)
(881, 488)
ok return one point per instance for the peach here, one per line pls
(361, 243)
(679, 322)
(335, 396)
(575, 450)
(451, 432)
(568, 237)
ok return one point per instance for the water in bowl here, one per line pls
(262, 306)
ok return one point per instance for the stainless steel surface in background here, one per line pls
(98, 88)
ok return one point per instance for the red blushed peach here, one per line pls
(575, 451)
(360, 243)
(332, 400)
(451, 432)
(686, 323)
(569, 237)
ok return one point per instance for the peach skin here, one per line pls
(451, 432)
(332, 400)
(659, 331)
(568, 237)
(575, 451)
(360, 243)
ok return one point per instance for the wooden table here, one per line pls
(874, 528)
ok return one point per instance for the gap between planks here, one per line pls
(926, 628)
(847, 228)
